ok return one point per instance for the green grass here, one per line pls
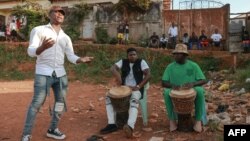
(97, 71)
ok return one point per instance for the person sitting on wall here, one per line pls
(163, 41)
(203, 39)
(216, 38)
(193, 40)
(185, 39)
(245, 39)
(154, 41)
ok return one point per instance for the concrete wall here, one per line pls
(198, 19)
(140, 25)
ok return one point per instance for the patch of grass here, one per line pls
(11, 59)
(240, 77)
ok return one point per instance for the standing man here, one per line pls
(50, 44)
(120, 33)
(135, 73)
(126, 32)
(173, 33)
(184, 73)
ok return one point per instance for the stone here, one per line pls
(156, 139)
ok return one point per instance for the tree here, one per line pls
(74, 22)
(33, 13)
(126, 7)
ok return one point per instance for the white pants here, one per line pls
(133, 109)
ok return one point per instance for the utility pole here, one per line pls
(172, 4)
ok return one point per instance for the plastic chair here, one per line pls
(143, 105)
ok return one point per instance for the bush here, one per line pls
(102, 36)
(143, 41)
(72, 32)
(113, 41)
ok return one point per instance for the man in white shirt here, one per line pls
(50, 44)
(135, 73)
(216, 37)
(163, 41)
(173, 33)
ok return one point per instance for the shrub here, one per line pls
(102, 36)
(113, 41)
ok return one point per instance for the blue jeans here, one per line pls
(42, 86)
(173, 41)
(197, 44)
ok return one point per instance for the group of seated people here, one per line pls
(156, 42)
(245, 40)
(203, 40)
(200, 42)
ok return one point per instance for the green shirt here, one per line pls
(179, 74)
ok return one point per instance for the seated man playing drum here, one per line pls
(183, 73)
(135, 73)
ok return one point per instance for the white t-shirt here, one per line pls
(173, 31)
(164, 39)
(12, 26)
(216, 37)
(130, 79)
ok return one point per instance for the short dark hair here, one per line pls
(131, 49)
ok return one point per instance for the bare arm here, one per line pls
(146, 78)
(194, 84)
(115, 71)
(85, 59)
(166, 84)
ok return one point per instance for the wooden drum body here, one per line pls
(183, 100)
(120, 97)
(183, 103)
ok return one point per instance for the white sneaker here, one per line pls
(26, 138)
(55, 134)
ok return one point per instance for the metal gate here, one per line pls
(235, 31)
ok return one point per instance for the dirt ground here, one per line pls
(86, 115)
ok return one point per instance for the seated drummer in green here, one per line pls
(183, 73)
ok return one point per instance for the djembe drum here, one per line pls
(183, 103)
(119, 97)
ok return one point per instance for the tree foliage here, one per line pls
(33, 13)
(75, 19)
(128, 6)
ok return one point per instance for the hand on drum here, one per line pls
(188, 85)
(184, 86)
(135, 88)
(115, 82)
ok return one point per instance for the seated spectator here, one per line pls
(13, 30)
(216, 38)
(154, 40)
(193, 40)
(245, 39)
(203, 39)
(163, 41)
(8, 33)
(185, 39)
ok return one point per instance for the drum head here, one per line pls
(183, 93)
(119, 92)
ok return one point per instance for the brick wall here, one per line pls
(198, 19)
